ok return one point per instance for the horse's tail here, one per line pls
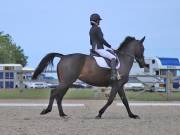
(48, 59)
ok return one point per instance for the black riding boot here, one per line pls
(113, 70)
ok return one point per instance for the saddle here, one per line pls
(102, 61)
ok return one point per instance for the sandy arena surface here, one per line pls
(154, 120)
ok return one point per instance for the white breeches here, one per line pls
(105, 54)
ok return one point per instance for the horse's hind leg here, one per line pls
(62, 91)
(109, 102)
(53, 95)
(69, 70)
(58, 94)
(67, 75)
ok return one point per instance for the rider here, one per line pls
(97, 41)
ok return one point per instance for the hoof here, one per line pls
(98, 117)
(134, 116)
(63, 115)
(45, 111)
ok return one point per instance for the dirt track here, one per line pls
(27, 121)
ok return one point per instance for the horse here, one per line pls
(84, 67)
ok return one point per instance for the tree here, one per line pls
(10, 52)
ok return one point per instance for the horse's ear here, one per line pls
(142, 40)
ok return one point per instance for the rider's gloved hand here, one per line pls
(109, 46)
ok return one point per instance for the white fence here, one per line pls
(168, 84)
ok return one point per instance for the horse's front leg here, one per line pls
(125, 102)
(109, 102)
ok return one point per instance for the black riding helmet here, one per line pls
(95, 17)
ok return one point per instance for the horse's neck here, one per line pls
(126, 63)
(126, 56)
(128, 49)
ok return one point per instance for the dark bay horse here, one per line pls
(80, 66)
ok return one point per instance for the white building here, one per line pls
(10, 75)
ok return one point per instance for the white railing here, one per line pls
(168, 83)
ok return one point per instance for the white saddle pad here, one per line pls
(102, 63)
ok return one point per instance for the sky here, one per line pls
(44, 26)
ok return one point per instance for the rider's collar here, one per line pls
(95, 23)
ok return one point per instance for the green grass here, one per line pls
(24, 94)
(84, 94)
(44, 94)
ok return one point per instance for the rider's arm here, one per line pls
(93, 46)
(100, 35)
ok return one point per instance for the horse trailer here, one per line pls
(158, 67)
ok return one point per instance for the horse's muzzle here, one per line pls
(146, 65)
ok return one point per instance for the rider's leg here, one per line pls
(105, 54)
(110, 56)
(113, 69)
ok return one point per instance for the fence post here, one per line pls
(169, 84)
(20, 78)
